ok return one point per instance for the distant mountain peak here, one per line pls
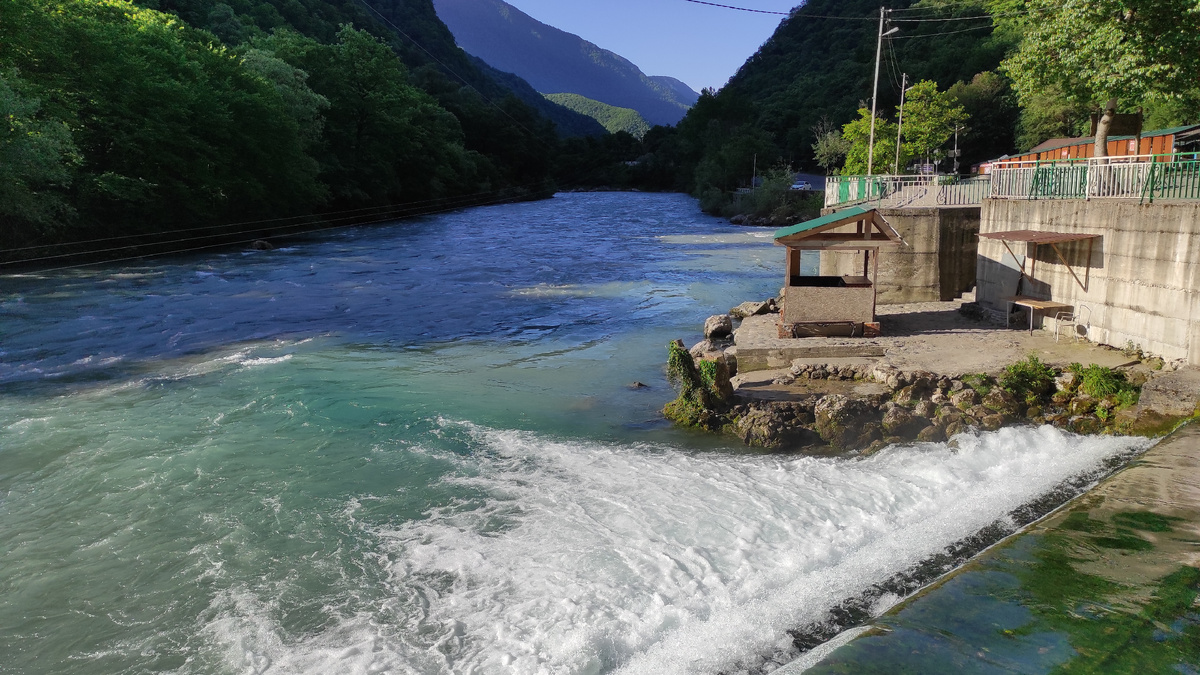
(554, 61)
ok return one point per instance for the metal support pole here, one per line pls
(875, 94)
(900, 123)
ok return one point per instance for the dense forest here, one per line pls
(1006, 74)
(174, 116)
(612, 118)
(180, 123)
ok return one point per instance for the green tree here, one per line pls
(1097, 51)
(991, 110)
(831, 147)
(37, 162)
(858, 134)
(930, 117)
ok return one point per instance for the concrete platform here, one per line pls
(930, 336)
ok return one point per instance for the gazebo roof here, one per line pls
(877, 232)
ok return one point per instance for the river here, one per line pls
(414, 448)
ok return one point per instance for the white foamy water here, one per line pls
(590, 558)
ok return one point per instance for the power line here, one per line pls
(949, 32)
(740, 9)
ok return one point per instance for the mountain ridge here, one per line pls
(555, 61)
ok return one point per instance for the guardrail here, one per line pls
(1141, 177)
(896, 192)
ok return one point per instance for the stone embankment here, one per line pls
(861, 404)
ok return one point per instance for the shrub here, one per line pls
(980, 382)
(1029, 380)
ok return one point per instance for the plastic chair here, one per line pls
(1076, 319)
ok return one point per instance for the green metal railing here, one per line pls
(1141, 177)
(891, 191)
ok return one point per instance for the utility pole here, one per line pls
(900, 122)
(875, 89)
(955, 149)
(754, 171)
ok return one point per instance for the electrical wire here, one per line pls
(949, 32)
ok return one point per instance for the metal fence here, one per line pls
(1141, 177)
(896, 192)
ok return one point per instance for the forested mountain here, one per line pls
(126, 121)
(611, 117)
(555, 61)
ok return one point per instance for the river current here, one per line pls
(414, 448)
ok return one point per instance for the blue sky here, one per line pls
(701, 45)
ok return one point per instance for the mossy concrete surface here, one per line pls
(1110, 584)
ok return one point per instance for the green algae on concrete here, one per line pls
(1110, 584)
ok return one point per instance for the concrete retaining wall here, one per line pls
(938, 262)
(1143, 283)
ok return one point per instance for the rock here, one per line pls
(887, 374)
(1061, 398)
(874, 447)
(964, 398)
(943, 383)
(957, 385)
(900, 422)
(751, 309)
(638, 385)
(738, 219)
(260, 245)
(775, 426)
(939, 397)
(948, 416)
(954, 429)
(1034, 411)
(703, 347)
(1082, 404)
(784, 379)
(1085, 424)
(841, 421)
(1002, 402)
(1059, 421)
(1176, 393)
(910, 394)
(923, 380)
(931, 434)
(722, 382)
(1066, 382)
(718, 326)
(978, 412)
(925, 409)
(992, 422)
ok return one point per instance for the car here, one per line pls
(802, 185)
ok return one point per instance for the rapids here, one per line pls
(413, 448)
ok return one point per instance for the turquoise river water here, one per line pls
(412, 448)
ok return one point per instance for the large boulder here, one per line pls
(1002, 402)
(718, 326)
(899, 421)
(776, 426)
(964, 398)
(843, 421)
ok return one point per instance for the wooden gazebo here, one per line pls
(833, 305)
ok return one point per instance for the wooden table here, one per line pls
(1033, 304)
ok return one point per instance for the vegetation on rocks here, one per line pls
(914, 406)
(703, 385)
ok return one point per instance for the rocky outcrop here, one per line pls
(718, 326)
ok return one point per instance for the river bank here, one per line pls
(939, 369)
(1108, 584)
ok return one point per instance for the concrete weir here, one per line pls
(1107, 584)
